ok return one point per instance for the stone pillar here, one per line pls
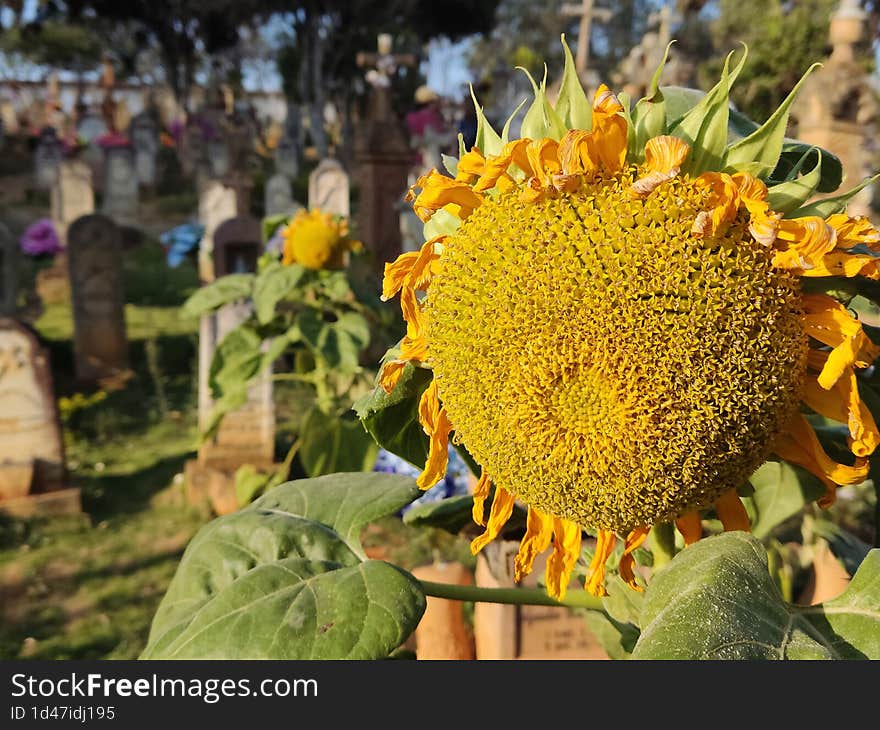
(442, 634)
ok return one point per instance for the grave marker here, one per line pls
(120, 186)
(329, 188)
(47, 158)
(100, 344)
(145, 142)
(279, 196)
(72, 195)
(9, 258)
(32, 472)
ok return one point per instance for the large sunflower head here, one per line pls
(613, 313)
(317, 240)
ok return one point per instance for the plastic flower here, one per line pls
(317, 240)
(40, 239)
(613, 312)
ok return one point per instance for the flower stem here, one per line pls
(513, 596)
(663, 543)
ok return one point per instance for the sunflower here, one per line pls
(613, 314)
(317, 240)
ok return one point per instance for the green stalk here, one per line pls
(663, 543)
(513, 596)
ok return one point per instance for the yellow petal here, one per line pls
(560, 564)
(842, 403)
(854, 231)
(605, 540)
(690, 526)
(438, 191)
(609, 130)
(539, 530)
(471, 166)
(810, 238)
(396, 274)
(731, 512)
(481, 493)
(848, 265)
(576, 154)
(666, 154)
(633, 541)
(543, 157)
(502, 508)
(513, 153)
(723, 200)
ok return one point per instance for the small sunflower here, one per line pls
(317, 240)
(615, 323)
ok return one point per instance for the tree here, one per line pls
(783, 38)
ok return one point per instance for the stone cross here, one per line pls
(120, 185)
(9, 257)
(31, 448)
(72, 195)
(329, 188)
(99, 342)
(586, 12)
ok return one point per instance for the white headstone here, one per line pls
(72, 195)
(217, 203)
(329, 188)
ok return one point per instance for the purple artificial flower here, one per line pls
(40, 239)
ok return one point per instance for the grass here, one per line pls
(87, 586)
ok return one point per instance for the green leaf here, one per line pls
(781, 491)
(487, 139)
(704, 127)
(236, 360)
(837, 204)
(285, 578)
(617, 639)
(272, 285)
(572, 106)
(541, 120)
(789, 196)
(798, 155)
(226, 289)
(249, 484)
(339, 342)
(392, 419)
(716, 600)
(758, 153)
(332, 444)
(451, 514)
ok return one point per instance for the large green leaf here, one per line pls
(273, 284)
(716, 600)
(393, 418)
(236, 360)
(781, 491)
(285, 578)
(791, 195)
(331, 444)
(338, 341)
(226, 289)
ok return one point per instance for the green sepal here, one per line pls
(442, 223)
(704, 127)
(758, 153)
(791, 195)
(572, 105)
(541, 120)
(649, 115)
(487, 139)
(828, 206)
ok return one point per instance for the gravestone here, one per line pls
(32, 472)
(218, 154)
(503, 631)
(287, 157)
(72, 195)
(279, 196)
(9, 258)
(47, 158)
(120, 185)
(329, 188)
(217, 202)
(247, 435)
(145, 142)
(99, 343)
(90, 128)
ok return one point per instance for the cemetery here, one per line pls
(440, 340)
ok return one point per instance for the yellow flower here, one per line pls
(317, 240)
(618, 334)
